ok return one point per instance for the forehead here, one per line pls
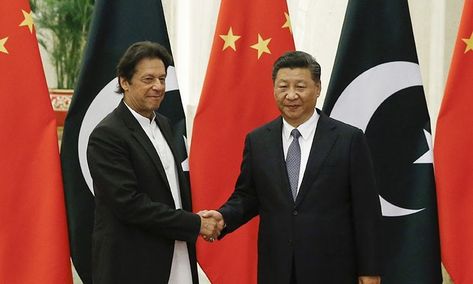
(293, 74)
(150, 65)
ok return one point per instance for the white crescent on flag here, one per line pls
(377, 84)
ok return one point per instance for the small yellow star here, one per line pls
(28, 21)
(287, 24)
(2, 45)
(230, 39)
(262, 46)
(469, 43)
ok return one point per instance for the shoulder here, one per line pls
(338, 125)
(275, 124)
(110, 125)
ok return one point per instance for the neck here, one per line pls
(147, 114)
(297, 122)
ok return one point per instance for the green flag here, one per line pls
(116, 25)
(376, 86)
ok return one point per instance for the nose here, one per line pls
(158, 85)
(292, 94)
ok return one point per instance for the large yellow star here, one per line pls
(28, 21)
(262, 46)
(287, 24)
(229, 39)
(469, 43)
(2, 45)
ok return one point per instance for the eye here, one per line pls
(300, 87)
(147, 80)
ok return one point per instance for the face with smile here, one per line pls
(296, 94)
(145, 91)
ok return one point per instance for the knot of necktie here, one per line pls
(295, 133)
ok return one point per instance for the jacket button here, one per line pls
(294, 212)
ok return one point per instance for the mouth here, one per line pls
(156, 97)
(292, 107)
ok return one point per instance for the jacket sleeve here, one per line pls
(366, 206)
(242, 205)
(116, 186)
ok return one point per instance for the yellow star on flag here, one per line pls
(28, 21)
(469, 43)
(2, 45)
(262, 46)
(229, 39)
(287, 24)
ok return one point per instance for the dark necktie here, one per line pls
(293, 162)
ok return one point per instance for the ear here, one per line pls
(318, 87)
(124, 83)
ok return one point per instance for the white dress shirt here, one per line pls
(180, 268)
(307, 130)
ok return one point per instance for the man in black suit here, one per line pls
(310, 179)
(144, 229)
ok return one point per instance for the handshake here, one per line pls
(211, 224)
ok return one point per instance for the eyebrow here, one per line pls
(152, 75)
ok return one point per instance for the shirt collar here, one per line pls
(142, 120)
(305, 128)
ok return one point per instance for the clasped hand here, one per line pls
(211, 224)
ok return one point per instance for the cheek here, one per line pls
(278, 99)
(311, 100)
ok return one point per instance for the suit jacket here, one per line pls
(136, 221)
(329, 232)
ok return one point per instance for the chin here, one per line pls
(293, 115)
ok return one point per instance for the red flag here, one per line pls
(33, 234)
(237, 96)
(453, 154)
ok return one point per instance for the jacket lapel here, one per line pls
(324, 139)
(276, 159)
(143, 139)
(184, 190)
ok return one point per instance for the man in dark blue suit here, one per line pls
(310, 179)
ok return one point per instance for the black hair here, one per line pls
(134, 54)
(297, 59)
